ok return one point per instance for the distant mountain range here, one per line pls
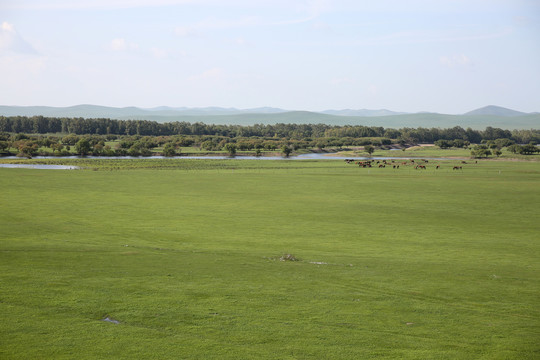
(362, 112)
(96, 111)
(495, 116)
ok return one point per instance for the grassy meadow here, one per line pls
(183, 258)
(432, 151)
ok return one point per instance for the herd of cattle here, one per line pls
(418, 164)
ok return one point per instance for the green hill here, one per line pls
(495, 110)
(477, 119)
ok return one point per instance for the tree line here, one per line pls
(299, 132)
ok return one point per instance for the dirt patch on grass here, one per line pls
(288, 257)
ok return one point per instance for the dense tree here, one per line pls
(369, 149)
(514, 148)
(480, 151)
(57, 147)
(83, 147)
(4, 145)
(286, 150)
(460, 143)
(169, 149)
(444, 144)
(269, 137)
(528, 149)
(230, 148)
(70, 139)
(27, 148)
(504, 142)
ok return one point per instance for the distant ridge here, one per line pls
(93, 111)
(477, 119)
(495, 111)
(362, 112)
(86, 110)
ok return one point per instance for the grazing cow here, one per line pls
(364, 163)
(457, 168)
(438, 166)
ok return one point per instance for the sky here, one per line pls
(446, 56)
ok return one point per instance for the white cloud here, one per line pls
(8, 27)
(185, 31)
(159, 53)
(322, 26)
(210, 74)
(452, 61)
(307, 12)
(341, 80)
(240, 42)
(92, 4)
(11, 41)
(212, 23)
(20, 64)
(373, 89)
(120, 44)
(426, 37)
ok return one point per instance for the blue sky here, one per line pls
(442, 56)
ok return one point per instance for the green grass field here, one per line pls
(432, 151)
(184, 254)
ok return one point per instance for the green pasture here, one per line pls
(185, 256)
(425, 151)
(431, 151)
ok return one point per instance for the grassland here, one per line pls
(437, 264)
(432, 151)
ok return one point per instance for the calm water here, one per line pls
(314, 156)
(299, 157)
(36, 166)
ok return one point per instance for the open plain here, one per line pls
(184, 260)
